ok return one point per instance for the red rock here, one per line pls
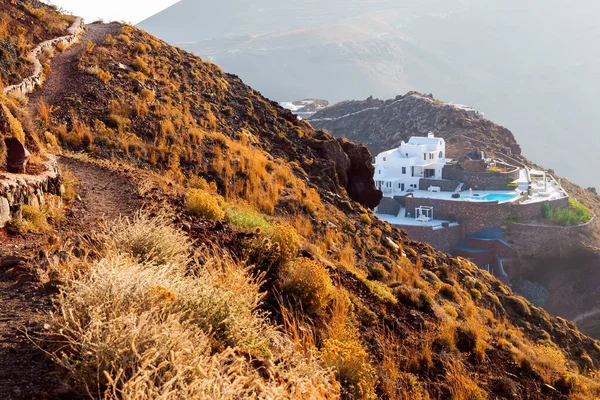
(17, 156)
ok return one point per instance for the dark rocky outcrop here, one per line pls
(345, 165)
(361, 187)
(17, 156)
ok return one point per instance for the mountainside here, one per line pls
(566, 268)
(24, 24)
(255, 268)
(464, 51)
(383, 124)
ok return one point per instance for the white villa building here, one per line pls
(401, 169)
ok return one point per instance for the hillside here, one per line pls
(255, 269)
(565, 267)
(543, 87)
(383, 124)
(24, 24)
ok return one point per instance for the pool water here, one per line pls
(500, 197)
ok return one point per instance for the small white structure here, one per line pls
(401, 169)
(424, 214)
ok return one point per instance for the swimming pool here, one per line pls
(500, 197)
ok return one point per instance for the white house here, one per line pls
(401, 169)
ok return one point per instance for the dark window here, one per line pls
(404, 170)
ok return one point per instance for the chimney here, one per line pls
(430, 134)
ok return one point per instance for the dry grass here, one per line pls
(137, 330)
(308, 283)
(350, 361)
(150, 239)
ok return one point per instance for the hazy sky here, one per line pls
(132, 11)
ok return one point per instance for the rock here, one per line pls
(9, 262)
(361, 186)
(5, 213)
(17, 156)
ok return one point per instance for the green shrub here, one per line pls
(576, 214)
(247, 218)
(202, 204)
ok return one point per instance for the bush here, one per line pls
(150, 239)
(140, 66)
(202, 204)
(143, 332)
(36, 220)
(517, 304)
(576, 214)
(449, 292)
(350, 361)
(365, 219)
(288, 240)
(246, 218)
(308, 283)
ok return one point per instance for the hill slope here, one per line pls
(565, 267)
(383, 125)
(259, 202)
(459, 50)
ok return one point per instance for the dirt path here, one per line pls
(58, 83)
(583, 316)
(25, 372)
(105, 193)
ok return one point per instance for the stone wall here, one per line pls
(489, 180)
(443, 239)
(547, 241)
(444, 185)
(475, 216)
(17, 190)
(388, 207)
(29, 84)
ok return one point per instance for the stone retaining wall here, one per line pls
(444, 185)
(17, 190)
(444, 239)
(29, 84)
(476, 216)
(547, 241)
(388, 207)
(488, 180)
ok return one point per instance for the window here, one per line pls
(379, 172)
(441, 154)
(431, 156)
(403, 170)
(399, 185)
(425, 156)
(384, 159)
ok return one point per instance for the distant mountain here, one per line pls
(531, 66)
(383, 124)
